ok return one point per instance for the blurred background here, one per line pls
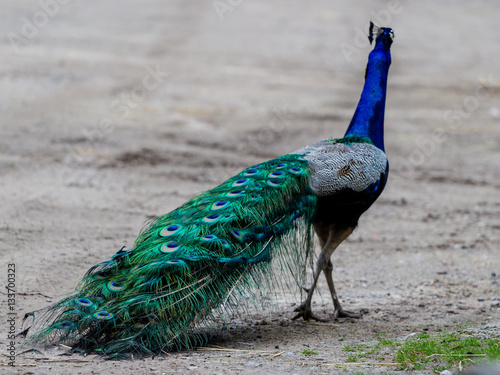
(115, 111)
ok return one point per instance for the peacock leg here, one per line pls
(334, 238)
(338, 312)
(304, 310)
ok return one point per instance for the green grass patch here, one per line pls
(349, 348)
(445, 350)
(424, 351)
(352, 358)
(309, 352)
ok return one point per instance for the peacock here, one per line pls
(209, 253)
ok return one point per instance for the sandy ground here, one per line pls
(115, 112)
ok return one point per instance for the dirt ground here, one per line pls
(114, 112)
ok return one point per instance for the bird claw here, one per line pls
(341, 313)
(306, 314)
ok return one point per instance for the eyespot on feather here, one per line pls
(84, 302)
(236, 234)
(241, 182)
(100, 275)
(208, 237)
(250, 172)
(171, 229)
(276, 174)
(65, 325)
(235, 193)
(169, 247)
(211, 218)
(103, 315)
(115, 286)
(219, 205)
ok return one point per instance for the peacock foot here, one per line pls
(306, 313)
(341, 313)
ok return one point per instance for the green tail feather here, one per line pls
(189, 264)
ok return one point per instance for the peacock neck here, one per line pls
(368, 119)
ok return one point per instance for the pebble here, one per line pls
(495, 303)
(494, 112)
(254, 364)
(480, 299)
(408, 336)
(289, 354)
(446, 372)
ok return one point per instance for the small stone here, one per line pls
(495, 112)
(410, 335)
(254, 364)
(481, 299)
(495, 303)
(446, 372)
(289, 354)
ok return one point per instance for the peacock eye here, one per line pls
(218, 205)
(234, 193)
(236, 234)
(103, 315)
(84, 302)
(240, 182)
(273, 183)
(169, 247)
(115, 286)
(171, 229)
(65, 325)
(211, 218)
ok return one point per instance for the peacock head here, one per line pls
(383, 35)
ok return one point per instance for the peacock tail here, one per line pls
(188, 263)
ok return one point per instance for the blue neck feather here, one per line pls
(368, 120)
